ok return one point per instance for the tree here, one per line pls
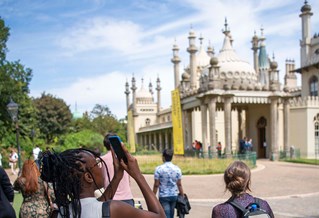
(53, 115)
(14, 84)
(103, 121)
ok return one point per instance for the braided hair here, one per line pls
(64, 170)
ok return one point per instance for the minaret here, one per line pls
(263, 62)
(133, 88)
(192, 57)
(158, 89)
(210, 50)
(127, 93)
(176, 60)
(150, 88)
(305, 33)
(255, 47)
(274, 75)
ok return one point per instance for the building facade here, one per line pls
(224, 99)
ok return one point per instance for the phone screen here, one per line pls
(117, 147)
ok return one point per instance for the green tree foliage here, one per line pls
(14, 84)
(53, 115)
(85, 139)
(103, 121)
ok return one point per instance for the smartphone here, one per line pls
(117, 147)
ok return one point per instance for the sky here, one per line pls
(84, 51)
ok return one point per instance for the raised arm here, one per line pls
(121, 209)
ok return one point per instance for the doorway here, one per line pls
(262, 144)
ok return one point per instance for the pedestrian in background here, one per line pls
(168, 180)
(123, 192)
(34, 192)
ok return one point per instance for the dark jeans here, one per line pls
(168, 204)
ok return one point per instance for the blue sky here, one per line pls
(84, 50)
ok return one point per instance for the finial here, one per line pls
(306, 2)
(262, 31)
(201, 39)
(226, 24)
(226, 31)
(273, 56)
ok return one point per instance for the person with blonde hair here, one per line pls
(34, 192)
(237, 180)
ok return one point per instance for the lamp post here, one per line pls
(13, 109)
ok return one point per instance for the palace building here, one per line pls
(224, 98)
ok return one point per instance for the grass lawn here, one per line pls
(303, 161)
(188, 165)
(17, 202)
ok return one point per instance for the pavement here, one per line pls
(292, 190)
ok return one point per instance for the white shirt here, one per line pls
(36, 152)
(91, 208)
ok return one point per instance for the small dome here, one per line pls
(273, 65)
(76, 115)
(214, 61)
(233, 67)
(143, 94)
(305, 8)
(185, 76)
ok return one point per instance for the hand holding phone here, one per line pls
(116, 144)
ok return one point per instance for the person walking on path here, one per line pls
(123, 191)
(168, 179)
(13, 159)
(237, 180)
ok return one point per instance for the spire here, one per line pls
(150, 87)
(201, 40)
(226, 31)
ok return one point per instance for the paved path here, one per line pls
(292, 190)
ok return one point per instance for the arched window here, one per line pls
(313, 84)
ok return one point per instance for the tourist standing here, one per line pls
(123, 191)
(168, 179)
(237, 180)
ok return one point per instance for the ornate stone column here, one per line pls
(203, 109)
(286, 126)
(166, 139)
(274, 128)
(227, 117)
(160, 141)
(212, 124)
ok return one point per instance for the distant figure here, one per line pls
(237, 180)
(33, 188)
(13, 159)
(6, 196)
(36, 151)
(168, 179)
(219, 149)
(242, 145)
(123, 191)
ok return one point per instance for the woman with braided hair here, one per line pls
(77, 173)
